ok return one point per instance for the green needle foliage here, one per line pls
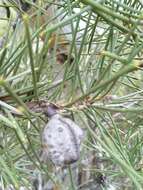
(101, 88)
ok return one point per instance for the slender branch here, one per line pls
(124, 70)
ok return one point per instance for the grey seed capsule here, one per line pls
(65, 137)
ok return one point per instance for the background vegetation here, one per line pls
(101, 89)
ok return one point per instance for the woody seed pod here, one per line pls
(61, 139)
